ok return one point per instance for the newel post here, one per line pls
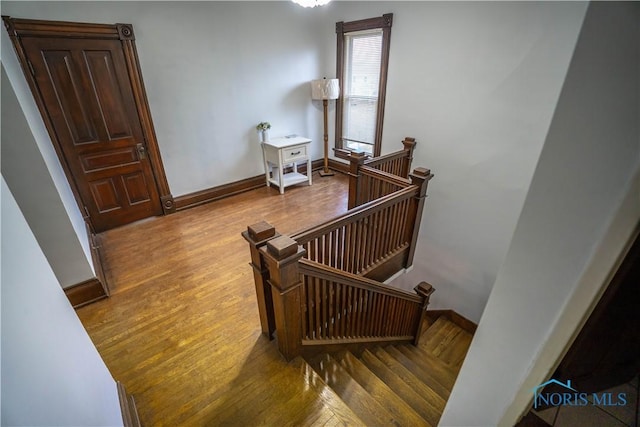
(356, 160)
(257, 235)
(281, 256)
(420, 177)
(409, 145)
(425, 290)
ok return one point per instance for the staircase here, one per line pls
(322, 292)
(400, 384)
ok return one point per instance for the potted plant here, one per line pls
(263, 131)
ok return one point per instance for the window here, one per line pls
(363, 57)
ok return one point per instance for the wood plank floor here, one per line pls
(181, 329)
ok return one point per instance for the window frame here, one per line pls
(384, 23)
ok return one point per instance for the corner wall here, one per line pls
(51, 372)
(578, 216)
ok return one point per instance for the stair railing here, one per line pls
(376, 239)
(372, 178)
(311, 287)
(322, 286)
(398, 163)
(312, 305)
(341, 308)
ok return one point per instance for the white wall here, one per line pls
(30, 180)
(212, 71)
(582, 207)
(51, 372)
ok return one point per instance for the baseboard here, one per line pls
(128, 407)
(85, 292)
(338, 166)
(209, 195)
(94, 289)
(201, 197)
(454, 317)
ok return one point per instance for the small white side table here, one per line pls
(281, 152)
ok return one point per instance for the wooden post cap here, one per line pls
(261, 231)
(422, 172)
(282, 247)
(424, 289)
(357, 156)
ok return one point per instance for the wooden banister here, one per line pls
(342, 308)
(322, 286)
(371, 178)
(371, 240)
(397, 163)
(329, 273)
(312, 304)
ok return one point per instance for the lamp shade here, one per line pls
(325, 89)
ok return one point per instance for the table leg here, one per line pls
(281, 178)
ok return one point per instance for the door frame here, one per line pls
(18, 28)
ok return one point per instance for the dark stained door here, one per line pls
(88, 96)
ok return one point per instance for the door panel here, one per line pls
(88, 96)
(97, 161)
(105, 84)
(63, 76)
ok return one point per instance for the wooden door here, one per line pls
(89, 102)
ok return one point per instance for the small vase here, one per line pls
(264, 136)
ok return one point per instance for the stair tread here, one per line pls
(446, 340)
(297, 397)
(436, 394)
(427, 410)
(445, 374)
(342, 412)
(379, 390)
(424, 375)
(365, 406)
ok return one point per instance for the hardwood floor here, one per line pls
(181, 330)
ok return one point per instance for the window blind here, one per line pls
(363, 55)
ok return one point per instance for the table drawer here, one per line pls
(290, 154)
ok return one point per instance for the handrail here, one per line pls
(316, 269)
(350, 216)
(386, 176)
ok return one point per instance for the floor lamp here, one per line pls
(325, 89)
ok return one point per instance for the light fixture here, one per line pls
(325, 89)
(311, 3)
